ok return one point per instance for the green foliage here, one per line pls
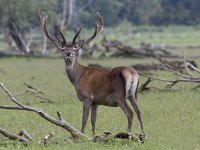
(178, 12)
(22, 13)
(137, 12)
(155, 12)
(109, 9)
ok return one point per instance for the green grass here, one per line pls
(173, 35)
(171, 119)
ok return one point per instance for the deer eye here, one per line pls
(75, 47)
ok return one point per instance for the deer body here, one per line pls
(101, 85)
(97, 86)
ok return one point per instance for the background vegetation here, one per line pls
(137, 12)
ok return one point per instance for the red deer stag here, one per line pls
(96, 86)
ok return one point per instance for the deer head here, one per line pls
(68, 50)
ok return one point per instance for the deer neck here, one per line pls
(74, 71)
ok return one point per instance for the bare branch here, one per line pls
(62, 123)
(34, 88)
(193, 67)
(44, 45)
(171, 83)
(13, 98)
(60, 116)
(44, 100)
(144, 85)
(196, 87)
(155, 78)
(24, 133)
(11, 107)
(29, 41)
(177, 72)
(85, 6)
(12, 136)
(186, 67)
(64, 14)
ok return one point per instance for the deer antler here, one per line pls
(59, 40)
(60, 36)
(98, 29)
(77, 34)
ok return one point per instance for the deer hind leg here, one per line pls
(126, 109)
(133, 101)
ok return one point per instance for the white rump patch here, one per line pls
(131, 86)
(129, 81)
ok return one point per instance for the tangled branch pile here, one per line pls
(179, 75)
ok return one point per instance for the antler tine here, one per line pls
(98, 28)
(43, 23)
(61, 36)
(75, 37)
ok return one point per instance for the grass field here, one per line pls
(171, 119)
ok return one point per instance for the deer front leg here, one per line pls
(86, 111)
(93, 117)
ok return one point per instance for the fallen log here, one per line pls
(34, 54)
(176, 65)
(120, 49)
(180, 77)
(149, 45)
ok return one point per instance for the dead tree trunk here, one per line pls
(18, 37)
(8, 39)
(72, 18)
(64, 15)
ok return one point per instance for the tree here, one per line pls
(178, 12)
(18, 17)
(109, 10)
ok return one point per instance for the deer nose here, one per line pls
(68, 54)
